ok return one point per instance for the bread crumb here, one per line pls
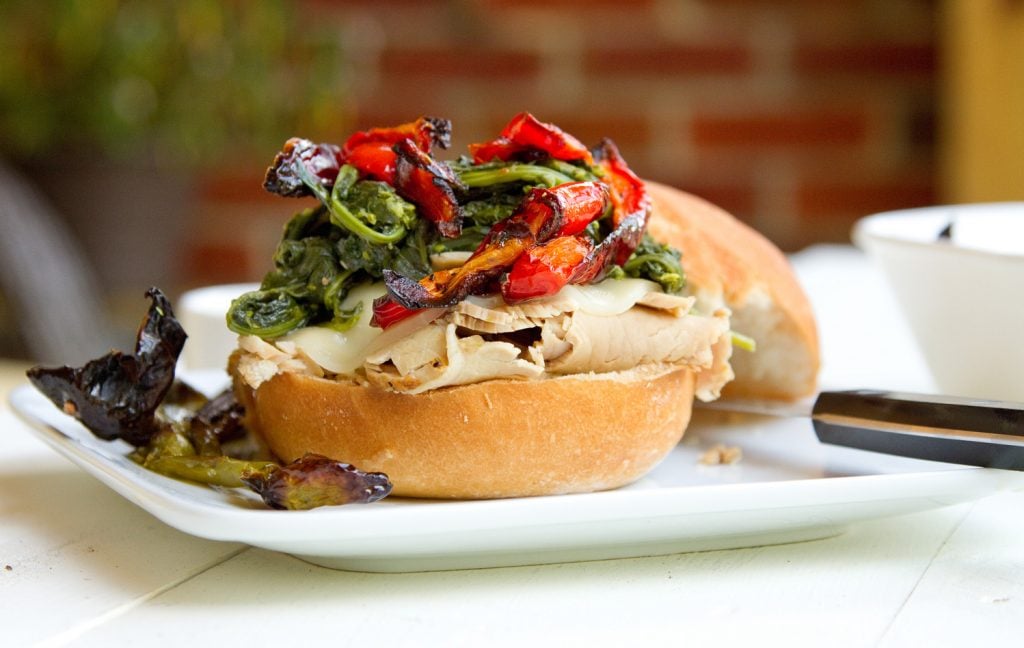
(721, 454)
(995, 599)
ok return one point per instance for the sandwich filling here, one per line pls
(614, 326)
(528, 259)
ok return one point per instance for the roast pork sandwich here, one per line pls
(528, 319)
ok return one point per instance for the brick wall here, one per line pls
(799, 116)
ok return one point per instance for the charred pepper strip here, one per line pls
(313, 481)
(371, 151)
(632, 210)
(387, 312)
(319, 161)
(430, 185)
(218, 420)
(426, 132)
(542, 214)
(525, 136)
(629, 194)
(586, 202)
(546, 268)
(374, 160)
(116, 396)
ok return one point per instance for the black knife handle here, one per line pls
(944, 412)
(938, 428)
(959, 451)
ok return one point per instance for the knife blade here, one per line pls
(950, 429)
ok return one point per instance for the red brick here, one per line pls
(738, 200)
(866, 58)
(570, 6)
(212, 262)
(822, 198)
(591, 128)
(732, 191)
(460, 62)
(379, 112)
(795, 128)
(320, 7)
(242, 186)
(670, 60)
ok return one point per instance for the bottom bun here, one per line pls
(500, 438)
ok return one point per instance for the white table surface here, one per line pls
(81, 566)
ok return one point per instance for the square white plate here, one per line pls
(787, 488)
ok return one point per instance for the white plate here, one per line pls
(787, 488)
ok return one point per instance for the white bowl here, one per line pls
(203, 314)
(962, 296)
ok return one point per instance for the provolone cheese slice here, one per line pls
(341, 352)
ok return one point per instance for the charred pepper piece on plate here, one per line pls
(179, 433)
(315, 480)
(115, 396)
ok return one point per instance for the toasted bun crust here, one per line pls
(500, 438)
(728, 262)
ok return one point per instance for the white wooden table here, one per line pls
(81, 566)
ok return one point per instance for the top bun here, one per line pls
(728, 263)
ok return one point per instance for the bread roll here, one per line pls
(727, 262)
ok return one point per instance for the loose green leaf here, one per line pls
(266, 313)
(657, 262)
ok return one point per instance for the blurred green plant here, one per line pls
(185, 81)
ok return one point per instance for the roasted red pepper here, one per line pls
(322, 161)
(628, 192)
(430, 185)
(583, 203)
(629, 220)
(371, 151)
(526, 136)
(374, 160)
(543, 214)
(544, 269)
(426, 132)
(387, 312)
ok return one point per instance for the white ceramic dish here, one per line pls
(201, 313)
(960, 296)
(787, 488)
